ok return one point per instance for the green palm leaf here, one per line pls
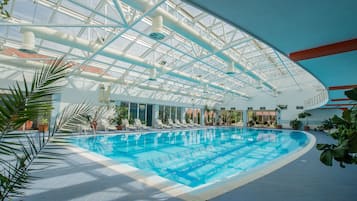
(26, 102)
(23, 103)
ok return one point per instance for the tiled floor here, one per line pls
(78, 178)
(305, 179)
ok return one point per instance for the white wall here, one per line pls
(290, 98)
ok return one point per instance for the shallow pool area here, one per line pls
(196, 157)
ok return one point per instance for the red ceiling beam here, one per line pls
(325, 50)
(347, 104)
(334, 108)
(342, 87)
(340, 99)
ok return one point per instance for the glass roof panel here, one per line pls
(197, 49)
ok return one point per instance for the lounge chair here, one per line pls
(127, 126)
(186, 124)
(171, 123)
(180, 124)
(193, 123)
(139, 125)
(107, 126)
(159, 124)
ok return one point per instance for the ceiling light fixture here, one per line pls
(28, 43)
(205, 89)
(157, 32)
(153, 76)
(163, 62)
(230, 68)
(260, 84)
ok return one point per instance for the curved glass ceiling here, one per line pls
(108, 42)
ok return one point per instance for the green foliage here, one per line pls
(3, 11)
(31, 101)
(345, 149)
(304, 115)
(295, 124)
(326, 125)
(282, 107)
(121, 113)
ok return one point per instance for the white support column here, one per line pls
(155, 114)
(202, 116)
(183, 112)
(245, 117)
(278, 117)
(56, 103)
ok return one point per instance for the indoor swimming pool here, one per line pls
(196, 157)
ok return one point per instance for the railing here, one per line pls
(317, 100)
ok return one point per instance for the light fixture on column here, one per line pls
(2, 45)
(152, 76)
(28, 42)
(230, 68)
(260, 84)
(157, 32)
(205, 89)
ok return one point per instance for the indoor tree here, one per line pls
(304, 115)
(345, 149)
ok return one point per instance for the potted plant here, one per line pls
(304, 115)
(295, 124)
(43, 125)
(278, 126)
(326, 125)
(121, 113)
(28, 124)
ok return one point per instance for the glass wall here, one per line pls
(133, 112)
(173, 113)
(231, 117)
(123, 111)
(149, 115)
(261, 118)
(142, 113)
(178, 115)
(169, 112)
(161, 112)
(193, 115)
(166, 114)
(210, 117)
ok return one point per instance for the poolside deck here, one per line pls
(78, 178)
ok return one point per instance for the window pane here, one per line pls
(179, 113)
(123, 111)
(167, 114)
(142, 112)
(133, 112)
(173, 113)
(149, 115)
(161, 112)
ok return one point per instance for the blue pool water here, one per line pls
(196, 157)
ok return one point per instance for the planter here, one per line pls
(28, 125)
(43, 127)
(306, 128)
(119, 127)
(279, 126)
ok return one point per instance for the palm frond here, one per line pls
(71, 117)
(23, 103)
